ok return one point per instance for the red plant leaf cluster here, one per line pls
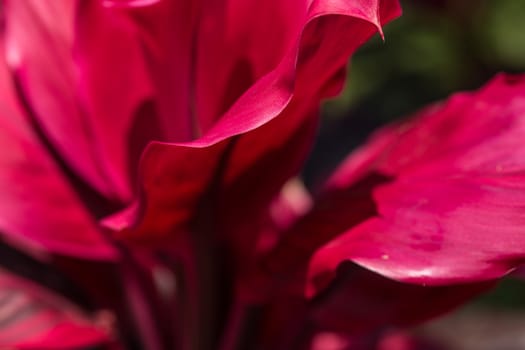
(149, 154)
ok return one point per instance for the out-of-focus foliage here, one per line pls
(507, 295)
(501, 26)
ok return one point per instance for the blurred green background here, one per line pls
(434, 49)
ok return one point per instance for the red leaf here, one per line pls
(33, 318)
(84, 99)
(453, 212)
(274, 117)
(38, 206)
